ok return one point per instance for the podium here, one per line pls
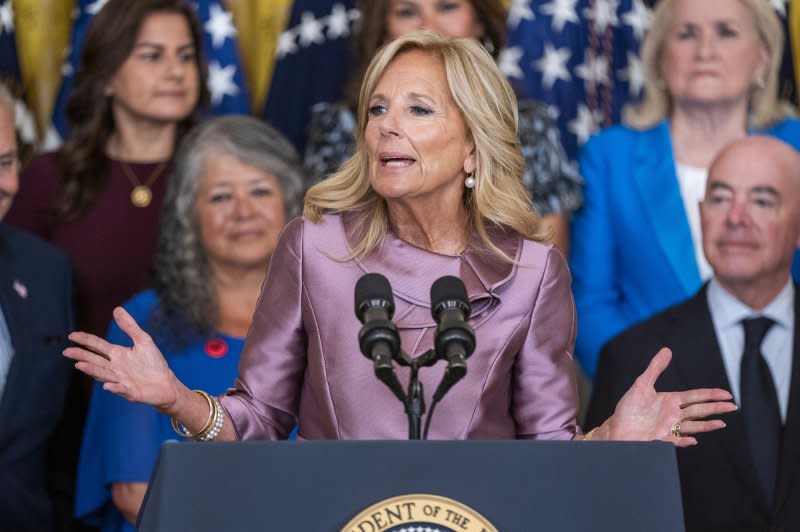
(320, 486)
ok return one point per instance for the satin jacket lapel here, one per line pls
(481, 271)
(658, 187)
(702, 368)
(15, 314)
(791, 439)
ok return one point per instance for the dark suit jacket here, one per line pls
(35, 296)
(718, 481)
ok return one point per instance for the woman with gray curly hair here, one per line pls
(235, 183)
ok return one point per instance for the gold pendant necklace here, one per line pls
(141, 195)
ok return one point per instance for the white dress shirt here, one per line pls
(727, 313)
(6, 352)
(692, 184)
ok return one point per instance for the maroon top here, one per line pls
(111, 245)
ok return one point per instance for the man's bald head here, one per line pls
(760, 150)
(751, 214)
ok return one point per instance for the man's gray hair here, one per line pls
(6, 98)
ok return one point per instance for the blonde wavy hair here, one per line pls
(489, 109)
(764, 107)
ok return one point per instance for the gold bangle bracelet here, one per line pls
(212, 414)
(589, 435)
(183, 431)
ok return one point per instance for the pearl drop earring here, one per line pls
(469, 182)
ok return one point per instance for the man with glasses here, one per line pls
(740, 333)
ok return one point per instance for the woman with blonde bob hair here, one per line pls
(711, 72)
(433, 190)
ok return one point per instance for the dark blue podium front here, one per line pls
(320, 486)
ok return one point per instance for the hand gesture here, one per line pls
(138, 373)
(644, 414)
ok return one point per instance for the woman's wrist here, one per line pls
(181, 404)
(603, 432)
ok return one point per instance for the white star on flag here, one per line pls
(780, 6)
(508, 61)
(7, 17)
(66, 66)
(553, 65)
(310, 30)
(219, 25)
(638, 18)
(562, 11)
(286, 44)
(633, 74)
(584, 124)
(95, 8)
(594, 69)
(520, 10)
(24, 122)
(220, 81)
(603, 14)
(338, 22)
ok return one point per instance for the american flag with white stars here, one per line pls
(581, 58)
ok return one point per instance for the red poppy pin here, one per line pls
(216, 348)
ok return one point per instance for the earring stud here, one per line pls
(469, 182)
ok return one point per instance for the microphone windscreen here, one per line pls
(373, 289)
(448, 292)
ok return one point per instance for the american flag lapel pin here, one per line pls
(20, 289)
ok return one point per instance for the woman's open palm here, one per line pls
(139, 373)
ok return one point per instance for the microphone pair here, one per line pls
(379, 339)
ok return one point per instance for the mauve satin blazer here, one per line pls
(302, 362)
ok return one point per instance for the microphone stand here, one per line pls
(415, 399)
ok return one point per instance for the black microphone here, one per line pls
(378, 339)
(455, 340)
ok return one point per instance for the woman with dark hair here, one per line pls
(138, 86)
(235, 183)
(553, 183)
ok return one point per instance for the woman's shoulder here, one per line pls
(536, 260)
(43, 171)
(34, 206)
(325, 234)
(787, 130)
(618, 133)
(142, 305)
(45, 163)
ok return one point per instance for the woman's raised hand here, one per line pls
(645, 414)
(137, 373)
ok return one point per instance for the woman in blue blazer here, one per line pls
(711, 77)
